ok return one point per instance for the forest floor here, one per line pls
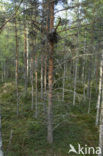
(26, 136)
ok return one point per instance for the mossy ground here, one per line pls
(72, 124)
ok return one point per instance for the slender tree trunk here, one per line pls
(101, 134)
(97, 71)
(99, 94)
(83, 70)
(45, 85)
(4, 71)
(42, 76)
(50, 78)
(75, 82)
(76, 64)
(25, 56)
(1, 152)
(101, 111)
(89, 107)
(2, 77)
(36, 84)
(89, 89)
(16, 72)
(50, 81)
(45, 76)
(32, 80)
(64, 81)
(84, 86)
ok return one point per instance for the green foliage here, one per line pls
(80, 34)
(72, 125)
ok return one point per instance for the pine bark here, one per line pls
(42, 76)
(25, 56)
(76, 63)
(45, 76)
(36, 85)
(32, 79)
(16, 72)
(50, 77)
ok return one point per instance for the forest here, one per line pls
(51, 77)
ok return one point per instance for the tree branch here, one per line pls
(14, 15)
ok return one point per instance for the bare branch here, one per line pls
(14, 15)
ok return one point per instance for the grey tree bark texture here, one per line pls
(16, 71)
(99, 94)
(1, 152)
(101, 118)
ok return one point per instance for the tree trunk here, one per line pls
(101, 115)
(4, 71)
(50, 81)
(45, 85)
(64, 81)
(50, 77)
(99, 94)
(41, 76)
(16, 72)
(36, 84)
(89, 107)
(32, 80)
(25, 56)
(75, 82)
(1, 152)
(76, 64)
(89, 89)
(45, 76)
(2, 77)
